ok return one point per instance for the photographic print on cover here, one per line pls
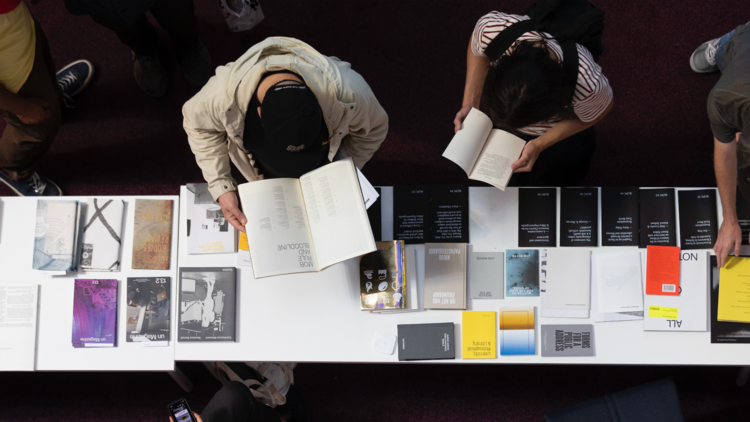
(207, 304)
(148, 309)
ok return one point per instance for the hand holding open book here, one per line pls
(484, 153)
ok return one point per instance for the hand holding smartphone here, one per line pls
(180, 412)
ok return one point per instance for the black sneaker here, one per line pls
(195, 62)
(295, 409)
(35, 185)
(150, 74)
(73, 79)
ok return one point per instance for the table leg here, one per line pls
(743, 376)
(181, 379)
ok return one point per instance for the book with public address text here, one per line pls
(208, 232)
(445, 276)
(537, 217)
(698, 218)
(382, 276)
(689, 310)
(724, 331)
(56, 236)
(620, 216)
(522, 272)
(101, 242)
(306, 224)
(426, 341)
(95, 313)
(657, 217)
(148, 310)
(517, 331)
(579, 217)
(484, 153)
(567, 340)
(152, 234)
(478, 334)
(486, 275)
(208, 304)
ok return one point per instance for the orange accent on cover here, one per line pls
(152, 234)
(663, 270)
(517, 318)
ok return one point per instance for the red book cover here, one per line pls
(663, 270)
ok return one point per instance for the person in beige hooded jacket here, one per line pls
(214, 118)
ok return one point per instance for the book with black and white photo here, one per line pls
(568, 279)
(567, 340)
(306, 224)
(548, 312)
(426, 341)
(484, 153)
(411, 213)
(18, 321)
(445, 276)
(449, 213)
(620, 216)
(743, 215)
(537, 217)
(486, 275)
(698, 218)
(658, 223)
(101, 240)
(375, 215)
(148, 310)
(692, 302)
(208, 232)
(723, 331)
(208, 304)
(579, 217)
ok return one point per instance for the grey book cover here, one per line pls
(445, 276)
(568, 340)
(426, 341)
(208, 304)
(486, 275)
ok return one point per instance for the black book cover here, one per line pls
(426, 341)
(620, 216)
(375, 215)
(449, 213)
(579, 217)
(657, 217)
(698, 218)
(721, 331)
(411, 213)
(743, 215)
(148, 301)
(208, 301)
(537, 217)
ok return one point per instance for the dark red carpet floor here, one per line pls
(117, 141)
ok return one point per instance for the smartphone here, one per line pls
(181, 412)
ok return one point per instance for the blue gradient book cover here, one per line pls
(517, 333)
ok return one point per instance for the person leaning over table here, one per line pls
(729, 114)
(281, 110)
(528, 94)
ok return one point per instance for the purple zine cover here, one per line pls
(95, 313)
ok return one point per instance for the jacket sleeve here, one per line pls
(208, 138)
(369, 124)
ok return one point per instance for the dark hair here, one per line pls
(526, 87)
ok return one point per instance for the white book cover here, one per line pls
(692, 302)
(102, 235)
(412, 285)
(607, 317)
(18, 318)
(554, 313)
(568, 279)
(208, 232)
(618, 279)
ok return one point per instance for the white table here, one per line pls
(55, 351)
(315, 317)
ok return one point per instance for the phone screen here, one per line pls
(181, 411)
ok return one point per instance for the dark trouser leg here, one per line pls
(177, 17)
(140, 36)
(743, 182)
(22, 145)
(235, 403)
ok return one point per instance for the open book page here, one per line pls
(338, 219)
(468, 142)
(499, 152)
(278, 232)
(18, 317)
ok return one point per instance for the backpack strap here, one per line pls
(570, 62)
(507, 37)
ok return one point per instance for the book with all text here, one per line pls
(445, 276)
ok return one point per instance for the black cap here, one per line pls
(294, 129)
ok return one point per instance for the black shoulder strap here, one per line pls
(570, 61)
(507, 37)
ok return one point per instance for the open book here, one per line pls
(484, 153)
(306, 224)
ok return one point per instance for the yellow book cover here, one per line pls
(478, 335)
(734, 290)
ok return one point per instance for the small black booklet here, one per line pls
(208, 302)
(657, 217)
(411, 213)
(620, 216)
(449, 213)
(537, 217)
(375, 215)
(426, 341)
(722, 331)
(698, 218)
(743, 215)
(579, 217)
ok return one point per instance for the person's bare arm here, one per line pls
(28, 110)
(476, 72)
(563, 129)
(725, 167)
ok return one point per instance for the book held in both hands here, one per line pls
(306, 224)
(484, 153)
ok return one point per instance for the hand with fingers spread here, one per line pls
(230, 206)
(729, 239)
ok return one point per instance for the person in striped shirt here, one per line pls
(528, 94)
